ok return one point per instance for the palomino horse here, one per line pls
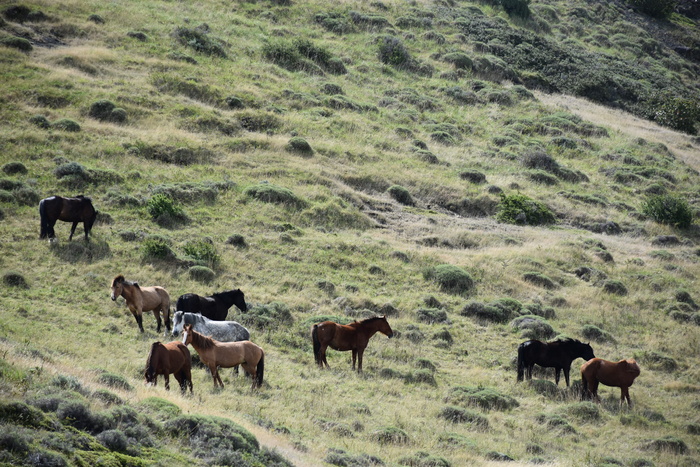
(75, 210)
(618, 374)
(140, 299)
(558, 354)
(171, 358)
(214, 307)
(353, 336)
(216, 354)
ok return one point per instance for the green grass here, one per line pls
(200, 192)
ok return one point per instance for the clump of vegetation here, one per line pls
(165, 211)
(302, 55)
(540, 280)
(456, 414)
(267, 316)
(431, 315)
(259, 121)
(521, 209)
(115, 381)
(424, 459)
(583, 411)
(666, 444)
(105, 110)
(299, 145)
(201, 274)
(157, 247)
(657, 361)
(450, 278)
(614, 287)
(14, 168)
(237, 240)
(401, 195)
(14, 279)
(655, 8)
(389, 435)
(485, 398)
(19, 43)
(199, 40)
(202, 251)
(343, 459)
(533, 327)
(66, 124)
(487, 312)
(668, 209)
(594, 333)
(269, 193)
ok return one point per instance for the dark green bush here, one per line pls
(199, 40)
(451, 279)
(19, 413)
(270, 193)
(424, 459)
(14, 279)
(201, 274)
(518, 8)
(202, 251)
(336, 23)
(678, 113)
(299, 145)
(157, 247)
(533, 327)
(487, 312)
(393, 52)
(614, 287)
(259, 121)
(655, 8)
(66, 124)
(594, 333)
(389, 435)
(486, 398)
(668, 209)
(19, 43)
(165, 211)
(114, 440)
(13, 168)
(401, 195)
(667, 444)
(431, 315)
(237, 240)
(40, 121)
(459, 415)
(540, 280)
(460, 60)
(267, 316)
(520, 209)
(115, 381)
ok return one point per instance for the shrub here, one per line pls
(400, 194)
(259, 121)
(203, 251)
(518, 8)
(267, 316)
(393, 52)
(615, 287)
(270, 193)
(678, 113)
(201, 274)
(19, 43)
(66, 124)
(390, 435)
(237, 240)
(424, 459)
(486, 398)
(13, 168)
(451, 279)
(107, 397)
(299, 145)
(666, 444)
(105, 110)
(199, 40)
(460, 60)
(668, 209)
(520, 209)
(14, 279)
(40, 121)
(655, 8)
(488, 312)
(431, 315)
(534, 327)
(19, 413)
(459, 415)
(114, 440)
(540, 280)
(14, 442)
(473, 176)
(157, 247)
(657, 361)
(165, 211)
(596, 334)
(115, 381)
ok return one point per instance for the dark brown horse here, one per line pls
(171, 358)
(558, 354)
(75, 210)
(353, 336)
(140, 299)
(618, 374)
(216, 354)
(214, 307)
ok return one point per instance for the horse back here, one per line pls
(338, 336)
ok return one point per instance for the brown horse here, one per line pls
(140, 299)
(353, 336)
(164, 359)
(216, 354)
(75, 210)
(618, 374)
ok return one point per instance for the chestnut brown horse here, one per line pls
(353, 336)
(618, 374)
(216, 354)
(140, 299)
(58, 208)
(166, 359)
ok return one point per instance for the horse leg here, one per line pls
(138, 317)
(156, 313)
(566, 375)
(556, 375)
(360, 352)
(322, 353)
(625, 394)
(529, 371)
(72, 230)
(354, 357)
(167, 382)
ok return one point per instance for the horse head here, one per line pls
(117, 286)
(177, 322)
(586, 351)
(384, 327)
(187, 334)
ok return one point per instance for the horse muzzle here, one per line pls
(114, 299)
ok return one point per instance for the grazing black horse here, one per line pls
(214, 307)
(558, 354)
(57, 208)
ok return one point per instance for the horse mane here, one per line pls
(119, 278)
(202, 341)
(567, 340)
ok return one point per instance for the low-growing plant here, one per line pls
(539, 279)
(201, 274)
(199, 40)
(450, 278)
(14, 279)
(485, 398)
(299, 145)
(14, 168)
(114, 381)
(533, 327)
(389, 435)
(165, 211)
(157, 247)
(668, 209)
(267, 316)
(66, 124)
(456, 414)
(237, 240)
(614, 287)
(19, 43)
(269, 193)
(202, 251)
(594, 333)
(424, 459)
(521, 209)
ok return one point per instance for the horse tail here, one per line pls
(521, 362)
(317, 344)
(44, 222)
(260, 370)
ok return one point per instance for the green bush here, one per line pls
(13, 168)
(165, 211)
(668, 209)
(268, 316)
(614, 287)
(14, 279)
(655, 8)
(401, 195)
(486, 398)
(455, 414)
(201, 274)
(40, 121)
(431, 315)
(540, 280)
(424, 459)
(270, 193)
(66, 124)
(299, 145)
(157, 247)
(594, 333)
(484, 312)
(19, 43)
(115, 381)
(259, 121)
(203, 251)
(393, 52)
(518, 8)
(452, 279)
(199, 40)
(520, 209)
(389, 435)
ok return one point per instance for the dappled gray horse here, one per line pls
(222, 331)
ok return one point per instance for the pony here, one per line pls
(75, 210)
(222, 331)
(216, 354)
(140, 299)
(558, 354)
(353, 336)
(618, 374)
(164, 359)
(214, 307)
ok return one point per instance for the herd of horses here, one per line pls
(226, 344)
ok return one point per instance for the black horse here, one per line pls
(214, 307)
(558, 354)
(75, 210)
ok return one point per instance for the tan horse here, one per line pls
(216, 354)
(353, 336)
(140, 299)
(166, 359)
(618, 374)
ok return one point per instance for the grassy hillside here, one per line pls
(330, 160)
